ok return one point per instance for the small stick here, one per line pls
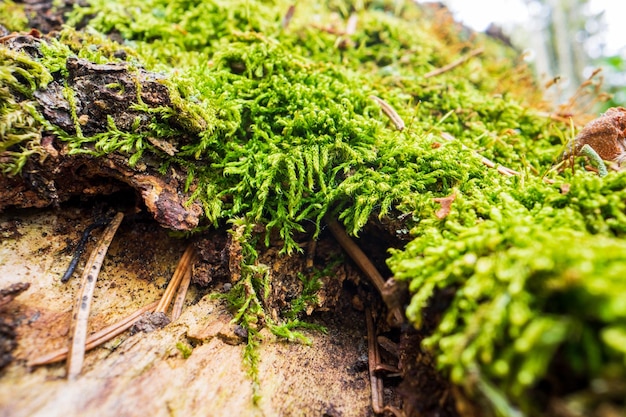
(357, 255)
(351, 25)
(390, 370)
(185, 262)
(388, 345)
(310, 255)
(488, 162)
(389, 112)
(395, 411)
(454, 64)
(9, 36)
(33, 32)
(80, 248)
(85, 295)
(362, 261)
(96, 339)
(349, 30)
(288, 16)
(179, 301)
(373, 356)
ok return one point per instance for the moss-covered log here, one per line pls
(261, 120)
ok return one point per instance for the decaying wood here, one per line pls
(8, 294)
(96, 339)
(56, 177)
(145, 373)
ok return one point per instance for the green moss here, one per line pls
(248, 298)
(20, 132)
(280, 128)
(275, 126)
(184, 349)
(535, 271)
(12, 16)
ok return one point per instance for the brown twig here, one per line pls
(9, 36)
(388, 370)
(487, 162)
(185, 263)
(362, 261)
(348, 31)
(357, 255)
(288, 16)
(390, 112)
(82, 306)
(96, 339)
(373, 356)
(395, 411)
(454, 64)
(33, 32)
(388, 345)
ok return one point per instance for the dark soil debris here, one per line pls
(8, 325)
(150, 322)
(214, 256)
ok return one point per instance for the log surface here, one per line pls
(146, 374)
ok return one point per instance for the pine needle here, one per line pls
(362, 261)
(83, 301)
(454, 64)
(185, 264)
(97, 338)
(179, 301)
(485, 161)
(390, 112)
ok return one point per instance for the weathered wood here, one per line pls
(146, 374)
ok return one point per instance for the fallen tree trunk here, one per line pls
(267, 130)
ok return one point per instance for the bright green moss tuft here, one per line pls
(12, 16)
(20, 133)
(184, 349)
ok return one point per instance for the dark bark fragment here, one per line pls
(48, 15)
(7, 325)
(102, 91)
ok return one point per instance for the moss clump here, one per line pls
(274, 125)
(530, 281)
(278, 125)
(12, 16)
(184, 349)
(20, 131)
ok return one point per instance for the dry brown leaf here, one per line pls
(446, 205)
